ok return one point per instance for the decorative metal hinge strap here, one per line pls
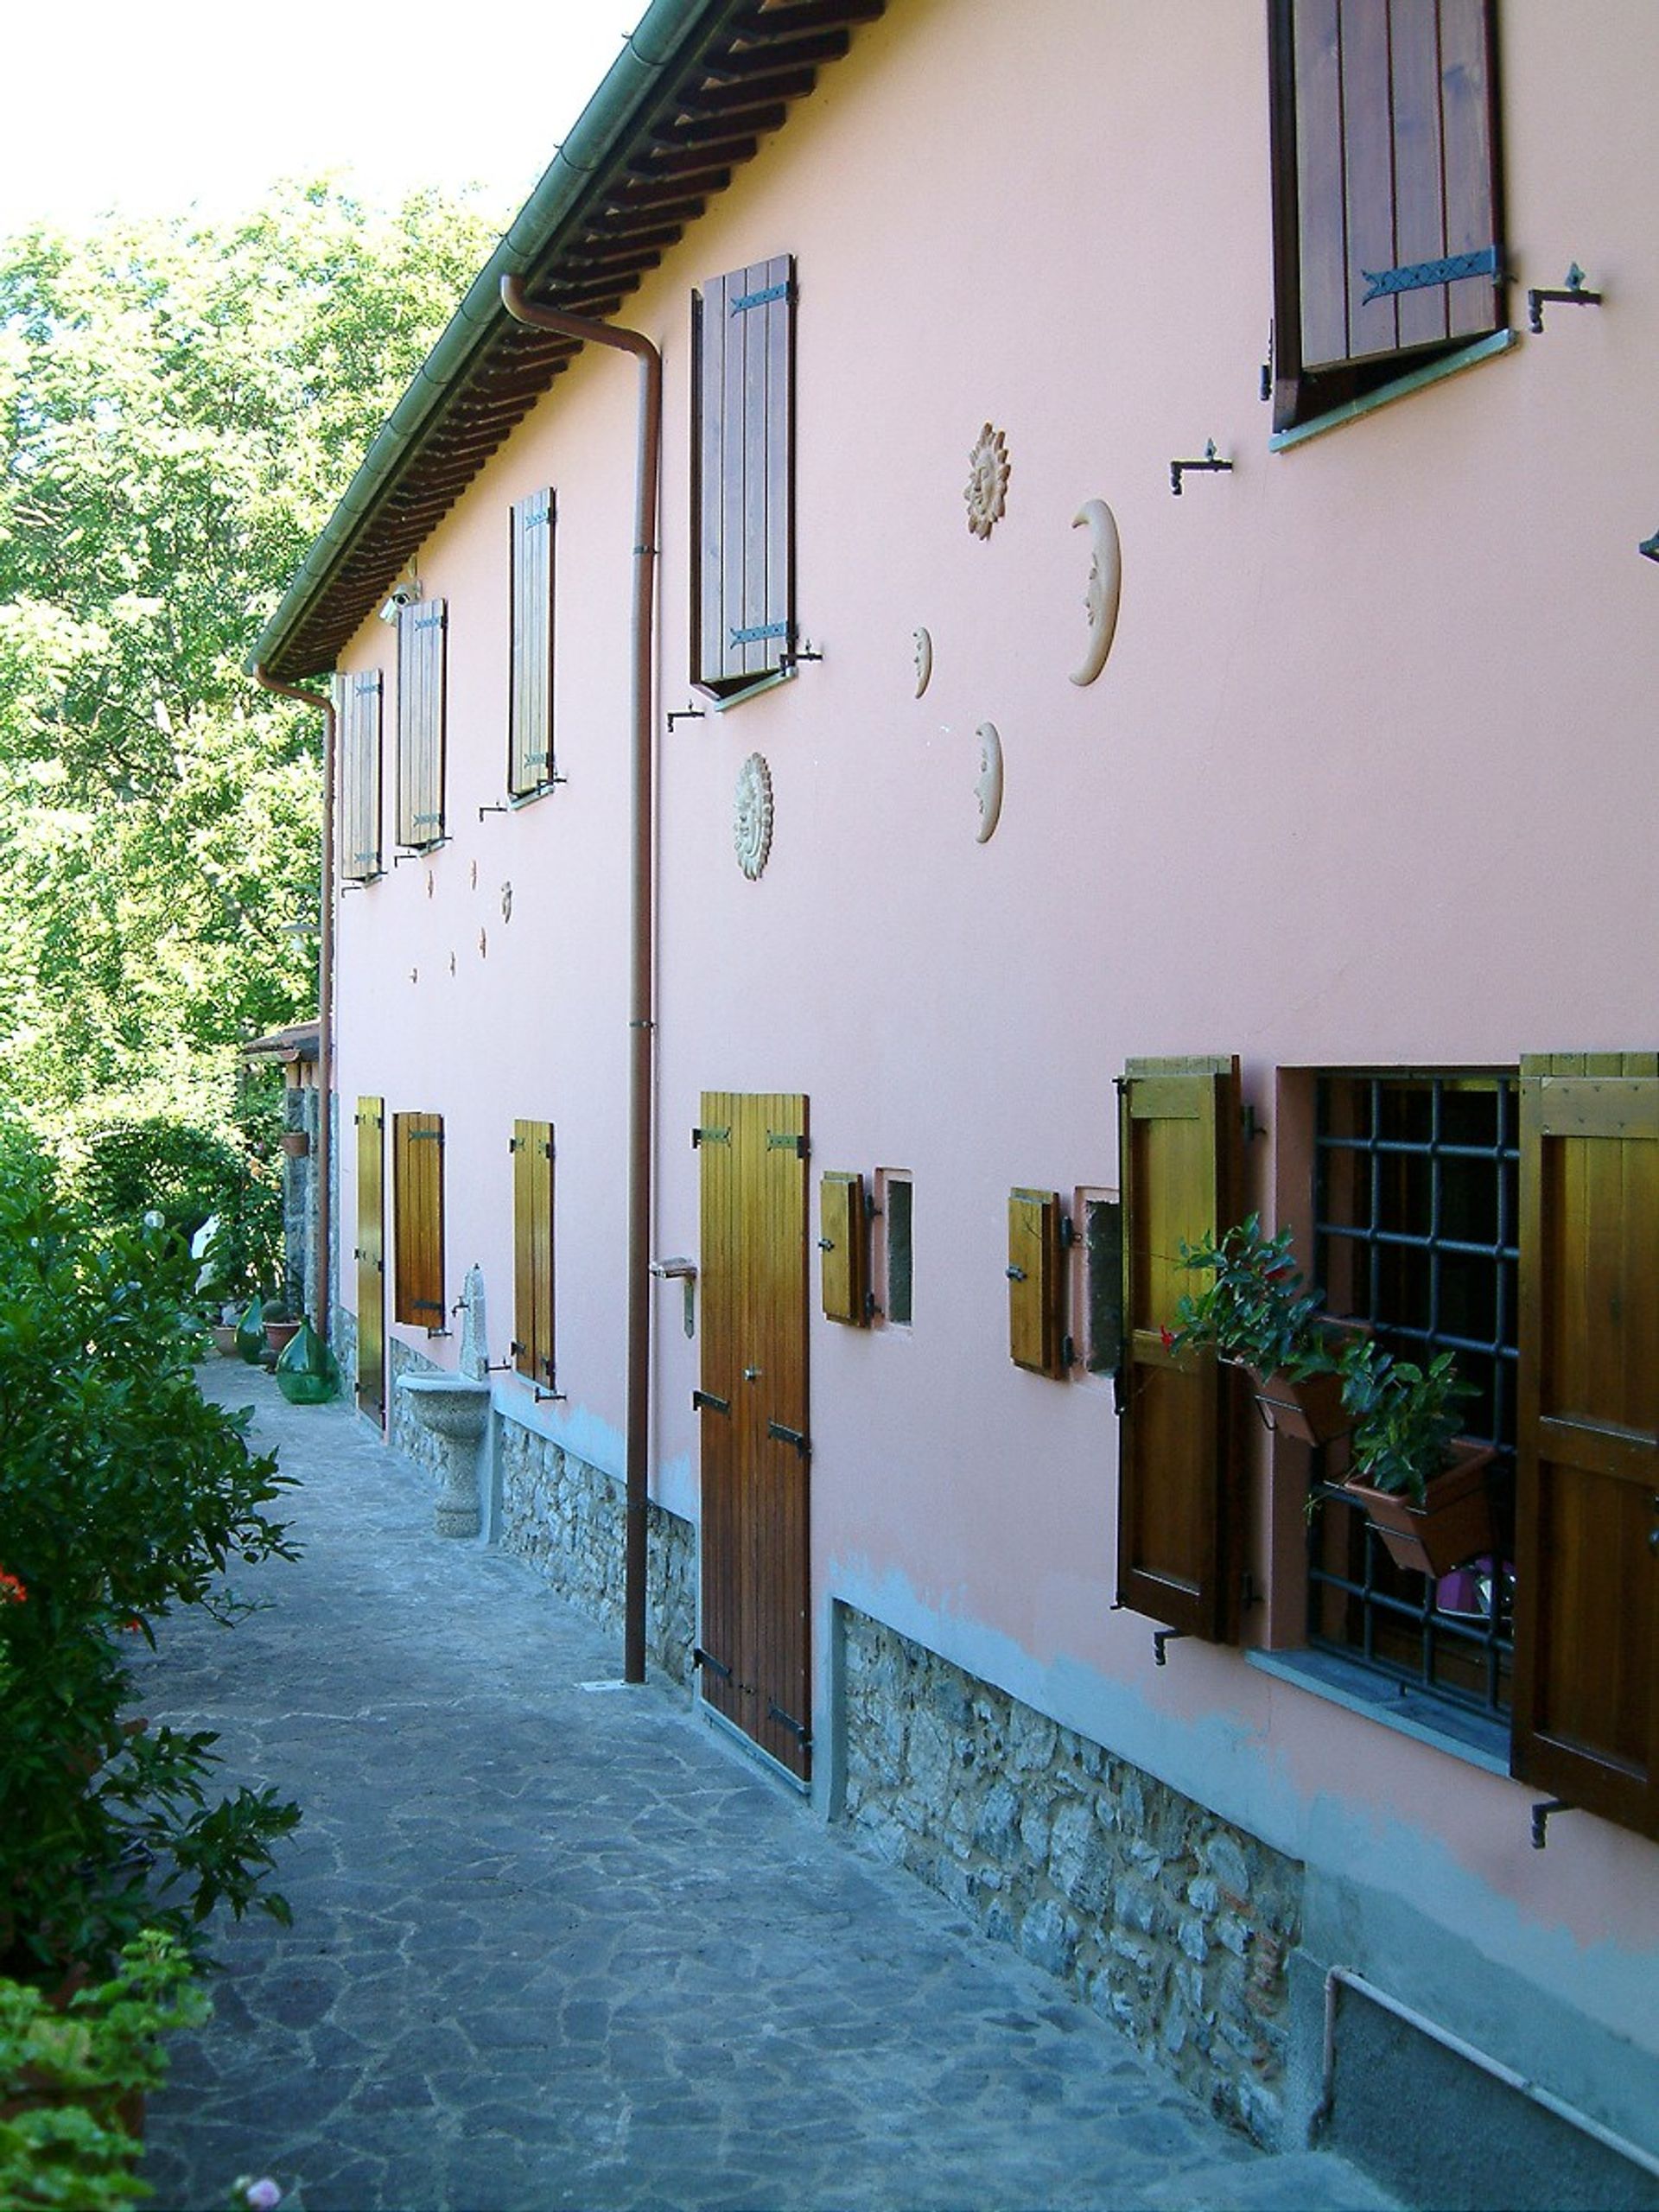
(701, 1658)
(760, 631)
(745, 300)
(1420, 275)
(426, 1136)
(787, 1141)
(427, 1305)
(801, 1734)
(707, 1398)
(709, 1136)
(775, 1428)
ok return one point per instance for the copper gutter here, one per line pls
(324, 1283)
(640, 907)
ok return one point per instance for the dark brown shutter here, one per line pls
(1586, 1559)
(743, 611)
(421, 648)
(532, 1250)
(1387, 223)
(418, 1218)
(1035, 1309)
(842, 1240)
(529, 708)
(1178, 1509)
(360, 773)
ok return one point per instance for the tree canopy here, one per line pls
(181, 403)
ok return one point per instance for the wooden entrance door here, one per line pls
(371, 1258)
(755, 1648)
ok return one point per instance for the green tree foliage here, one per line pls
(181, 402)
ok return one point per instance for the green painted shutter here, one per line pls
(1179, 1521)
(1586, 1689)
(530, 705)
(360, 770)
(422, 632)
(743, 609)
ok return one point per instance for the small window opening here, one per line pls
(1102, 1218)
(896, 1205)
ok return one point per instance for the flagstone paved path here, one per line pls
(555, 1944)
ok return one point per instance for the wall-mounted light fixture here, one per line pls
(403, 594)
(1571, 295)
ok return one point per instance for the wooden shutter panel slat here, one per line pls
(1468, 96)
(1178, 1509)
(1321, 201)
(777, 597)
(1419, 173)
(1586, 1685)
(1368, 176)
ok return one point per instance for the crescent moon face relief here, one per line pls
(1105, 585)
(987, 789)
(924, 661)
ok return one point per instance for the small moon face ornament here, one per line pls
(924, 661)
(1105, 585)
(987, 789)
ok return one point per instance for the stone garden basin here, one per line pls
(453, 1406)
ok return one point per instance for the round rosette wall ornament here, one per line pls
(986, 493)
(752, 817)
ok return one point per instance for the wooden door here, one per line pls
(371, 1258)
(1586, 1560)
(754, 1646)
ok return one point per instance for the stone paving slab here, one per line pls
(557, 1943)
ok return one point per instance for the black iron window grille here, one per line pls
(1416, 1199)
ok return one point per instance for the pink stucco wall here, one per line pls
(1369, 778)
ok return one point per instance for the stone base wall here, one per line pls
(567, 1518)
(342, 1330)
(1170, 1922)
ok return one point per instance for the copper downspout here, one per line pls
(324, 1283)
(640, 1006)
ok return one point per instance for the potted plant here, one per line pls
(1259, 1313)
(1423, 1485)
(281, 1323)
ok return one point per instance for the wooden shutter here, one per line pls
(1036, 1319)
(1586, 1557)
(842, 1240)
(418, 1218)
(532, 1250)
(1387, 223)
(1178, 1509)
(530, 704)
(360, 773)
(743, 600)
(371, 1258)
(420, 649)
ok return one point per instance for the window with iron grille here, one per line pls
(1417, 1236)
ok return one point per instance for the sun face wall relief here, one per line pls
(986, 492)
(752, 817)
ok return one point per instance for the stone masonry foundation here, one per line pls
(567, 1518)
(1164, 1917)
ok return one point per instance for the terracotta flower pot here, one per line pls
(1454, 1522)
(223, 1336)
(280, 1334)
(1310, 1409)
(296, 1143)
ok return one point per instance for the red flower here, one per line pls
(1168, 1335)
(12, 1592)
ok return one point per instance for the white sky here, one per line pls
(152, 106)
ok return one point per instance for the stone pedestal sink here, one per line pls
(455, 1409)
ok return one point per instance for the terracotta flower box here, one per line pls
(1453, 1523)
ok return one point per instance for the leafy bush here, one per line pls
(70, 2078)
(184, 1174)
(123, 1495)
